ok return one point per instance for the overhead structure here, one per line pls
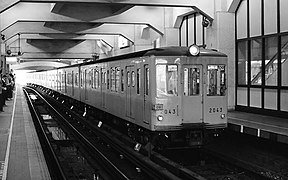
(92, 29)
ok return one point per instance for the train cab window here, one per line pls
(191, 81)
(167, 80)
(122, 80)
(216, 80)
(132, 78)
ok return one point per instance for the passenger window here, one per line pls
(112, 79)
(63, 78)
(117, 79)
(128, 78)
(65, 82)
(216, 80)
(108, 83)
(138, 81)
(81, 79)
(146, 80)
(103, 78)
(59, 76)
(86, 78)
(191, 81)
(167, 80)
(133, 79)
(72, 78)
(76, 79)
(69, 79)
(90, 78)
(122, 80)
(96, 78)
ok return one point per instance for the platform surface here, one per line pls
(21, 156)
(268, 127)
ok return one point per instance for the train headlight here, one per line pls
(194, 50)
(222, 116)
(160, 118)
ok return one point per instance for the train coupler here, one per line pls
(194, 138)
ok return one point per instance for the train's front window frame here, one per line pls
(216, 80)
(167, 80)
(191, 81)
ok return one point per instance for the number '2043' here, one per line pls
(215, 110)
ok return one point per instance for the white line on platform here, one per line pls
(4, 177)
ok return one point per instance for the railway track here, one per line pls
(181, 163)
(118, 161)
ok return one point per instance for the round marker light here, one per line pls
(160, 118)
(194, 50)
(222, 116)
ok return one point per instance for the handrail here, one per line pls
(269, 64)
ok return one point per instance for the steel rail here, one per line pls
(54, 167)
(117, 173)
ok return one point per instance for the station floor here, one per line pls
(21, 156)
(267, 127)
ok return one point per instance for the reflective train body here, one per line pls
(165, 92)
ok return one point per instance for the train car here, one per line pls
(162, 95)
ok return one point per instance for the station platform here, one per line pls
(267, 127)
(21, 156)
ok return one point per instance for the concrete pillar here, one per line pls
(221, 36)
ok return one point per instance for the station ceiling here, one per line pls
(47, 34)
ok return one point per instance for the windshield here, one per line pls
(167, 80)
(216, 80)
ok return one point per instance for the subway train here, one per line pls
(165, 96)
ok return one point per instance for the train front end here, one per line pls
(191, 96)
(205, 102)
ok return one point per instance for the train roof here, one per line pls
(163, 51)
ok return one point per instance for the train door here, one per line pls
(147, 109)
(130, 91)
(192, 98)
(103, 87)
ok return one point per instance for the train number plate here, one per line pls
(158, 107)
(215, 109)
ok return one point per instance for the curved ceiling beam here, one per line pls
(41, 12)
(207, 7)
(40, 65)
